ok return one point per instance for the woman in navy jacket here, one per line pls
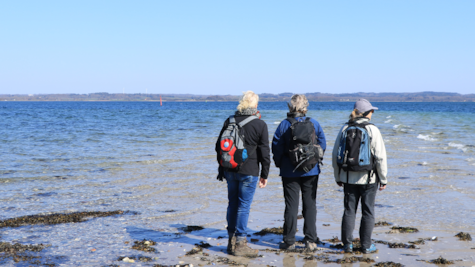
(294, 182)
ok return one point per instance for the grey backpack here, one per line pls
(231, 144)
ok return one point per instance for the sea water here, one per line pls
(159, 162)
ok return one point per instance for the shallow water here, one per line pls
(160, 162)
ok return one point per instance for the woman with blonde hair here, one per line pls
(295, 180)
(242, 178)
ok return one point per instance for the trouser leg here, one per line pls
(309, 206)
(368, 196)
(247, 188)
(348, 221)
(291, 195)
(233, 198)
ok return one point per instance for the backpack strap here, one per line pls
(363, 124)
(292, 120)
(241, 124)
(247, 120)
(232, 120)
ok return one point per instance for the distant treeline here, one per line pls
(378, 97)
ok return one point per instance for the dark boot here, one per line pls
(242, 249)
(231, 244)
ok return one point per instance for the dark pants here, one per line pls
(353, 194)
(292, 188)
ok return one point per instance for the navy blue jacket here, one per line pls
(280, 148)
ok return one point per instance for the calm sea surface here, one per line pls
(159, 161)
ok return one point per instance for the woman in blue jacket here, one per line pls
(297, 181)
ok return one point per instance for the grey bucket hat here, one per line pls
(363, 105)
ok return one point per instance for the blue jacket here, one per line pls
(280, 148)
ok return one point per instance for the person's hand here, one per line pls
(262, 183)
(382, 187)
(340, 184)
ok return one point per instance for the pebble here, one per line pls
(126, 259)
(181, 262)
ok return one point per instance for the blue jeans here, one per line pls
(241, 189)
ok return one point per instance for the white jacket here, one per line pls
(378, 150)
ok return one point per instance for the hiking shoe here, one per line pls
(231, 244)
(371, 249)
(284, 245)
(348, 248)
(309, 245)
(242, 249)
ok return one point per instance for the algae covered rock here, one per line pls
(464, 236)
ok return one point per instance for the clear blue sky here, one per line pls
(226, 47)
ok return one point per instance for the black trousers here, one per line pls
(353, 194)
(292, 187)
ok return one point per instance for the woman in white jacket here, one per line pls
(361, 185)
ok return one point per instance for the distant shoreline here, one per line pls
(264, 97)
(205, 101)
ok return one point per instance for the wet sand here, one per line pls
(205, 245)
(436, 244)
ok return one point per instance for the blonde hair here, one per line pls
(248, 99)
(298, 103)
(356, 114)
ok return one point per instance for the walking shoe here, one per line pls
(371, 249)
(242, 249)
(348, 248)
(231, 244)
(284, 245)
(309, 245)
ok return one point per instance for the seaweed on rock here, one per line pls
(333, 240)
(388, 264)
(266, 231)
(382, 223)
(144, 245)
(396, 229)
(191, 228)
(441, 260)
(401, 245)
(56, 218)
(352, 259)
(464, 236)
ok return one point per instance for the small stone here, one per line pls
(92, 250)
(181, 262)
